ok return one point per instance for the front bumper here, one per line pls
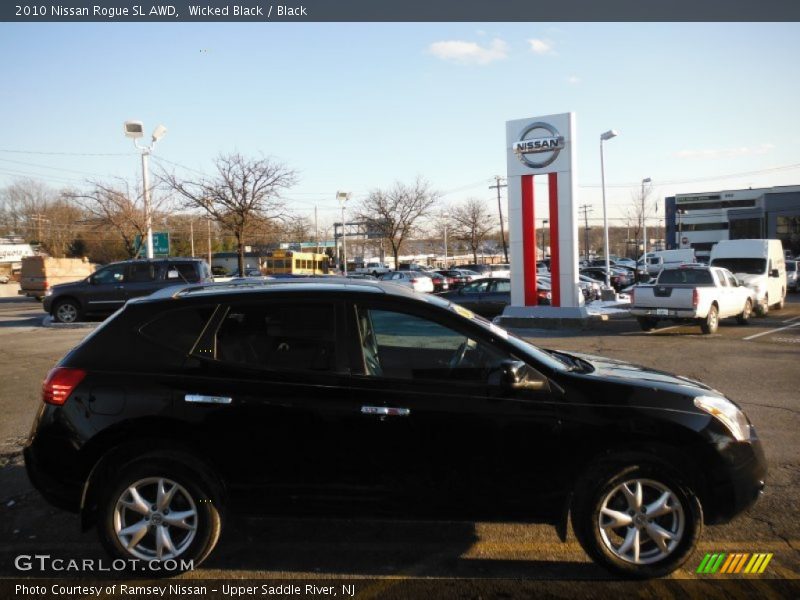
(738, 483)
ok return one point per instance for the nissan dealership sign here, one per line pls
(536, 150)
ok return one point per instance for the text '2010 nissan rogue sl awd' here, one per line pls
(358, 398)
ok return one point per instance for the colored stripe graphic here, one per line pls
(734, 563)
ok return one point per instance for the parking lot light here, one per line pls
(611, 133)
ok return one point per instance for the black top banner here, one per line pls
(402, 10)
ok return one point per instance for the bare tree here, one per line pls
(118, 208)
(242, 191)
(641, 208)
(394, 213)
(472, 224)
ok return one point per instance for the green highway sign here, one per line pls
(160, 244)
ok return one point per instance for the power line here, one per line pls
(65, 153)
(38, 166)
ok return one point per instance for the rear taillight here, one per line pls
(695, 298)
(413, 280)
(59, 384)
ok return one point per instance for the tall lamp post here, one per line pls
(644, 221)
(603, 138)
(135, 130)
(343, 197)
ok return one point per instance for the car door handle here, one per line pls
(385, 411)
(201, 399)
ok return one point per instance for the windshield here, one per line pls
(751, 266)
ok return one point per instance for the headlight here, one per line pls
(48, 292)
(726, 412)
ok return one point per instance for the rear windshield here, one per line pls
(690, 276)
(751, 266)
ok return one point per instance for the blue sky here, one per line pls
(358, 106)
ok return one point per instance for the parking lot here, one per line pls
(755, 365)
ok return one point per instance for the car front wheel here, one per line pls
(744, 317)
(67, 311)
(637, 520)
(157, 510)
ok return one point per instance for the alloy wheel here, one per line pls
(155, 519)
(641, 521)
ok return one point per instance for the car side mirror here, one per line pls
(774, 273)
(516, 375)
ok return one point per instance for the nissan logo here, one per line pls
(549, 146)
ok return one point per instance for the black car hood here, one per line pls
(612, 369)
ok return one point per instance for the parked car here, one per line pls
(696, 294)
(481, 270)
(791, 275)
(590, 288)
(416, 280)
(489, 296)
(457, 278)
(373, 268)
(108, 288)
(365, 399)
(618, 278)
(4, 278)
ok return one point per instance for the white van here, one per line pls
(668, 258)
(759, 264)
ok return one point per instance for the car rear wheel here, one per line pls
(646, 324)
(744, 317)
(158, 510)
(711, 322)
(762, 310)
(637, 521)
(67, 311)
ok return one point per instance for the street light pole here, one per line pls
(644, 220)
(544, 222)
(135, 130)
(343, 197)
(605, 137)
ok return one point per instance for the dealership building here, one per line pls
(701, 220)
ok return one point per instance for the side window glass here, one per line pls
(178, 329)
(722, 280)
(501, 287)
(476, 287)
(115, 274)
(405, 346)
(180, 272)
(279, 337)
(141, 272)
(732, 280)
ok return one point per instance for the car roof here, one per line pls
(308, 285)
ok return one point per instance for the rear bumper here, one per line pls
(664, 313)
(62, 494)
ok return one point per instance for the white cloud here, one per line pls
(712, 154)
(541, 46)
(469, 53)
(573, 79)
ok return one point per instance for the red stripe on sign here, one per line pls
(528, 241)
(555, 264)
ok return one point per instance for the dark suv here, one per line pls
(105, 290)
(361, 399)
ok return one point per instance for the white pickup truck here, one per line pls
(694, 293)
(373, 268)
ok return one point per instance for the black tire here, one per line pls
(196, 492)
(646, 323)
(743, 318)
(711, 322)
(601, 488)
(67, 311)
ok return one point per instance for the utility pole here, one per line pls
(586, 209)
(191, 235)
(497, 186)
(316, 229)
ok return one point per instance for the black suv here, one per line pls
(362, 399)
(105, 290)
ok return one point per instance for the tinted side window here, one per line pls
(140, 272)
(297, 337)
(501, 286)
(111, 274)
(178, 329)
(406, 346)
(182, 271)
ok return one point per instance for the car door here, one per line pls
(497, 297)
(446, 437)
(471, 295)
(106, 290)
(268, 382)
